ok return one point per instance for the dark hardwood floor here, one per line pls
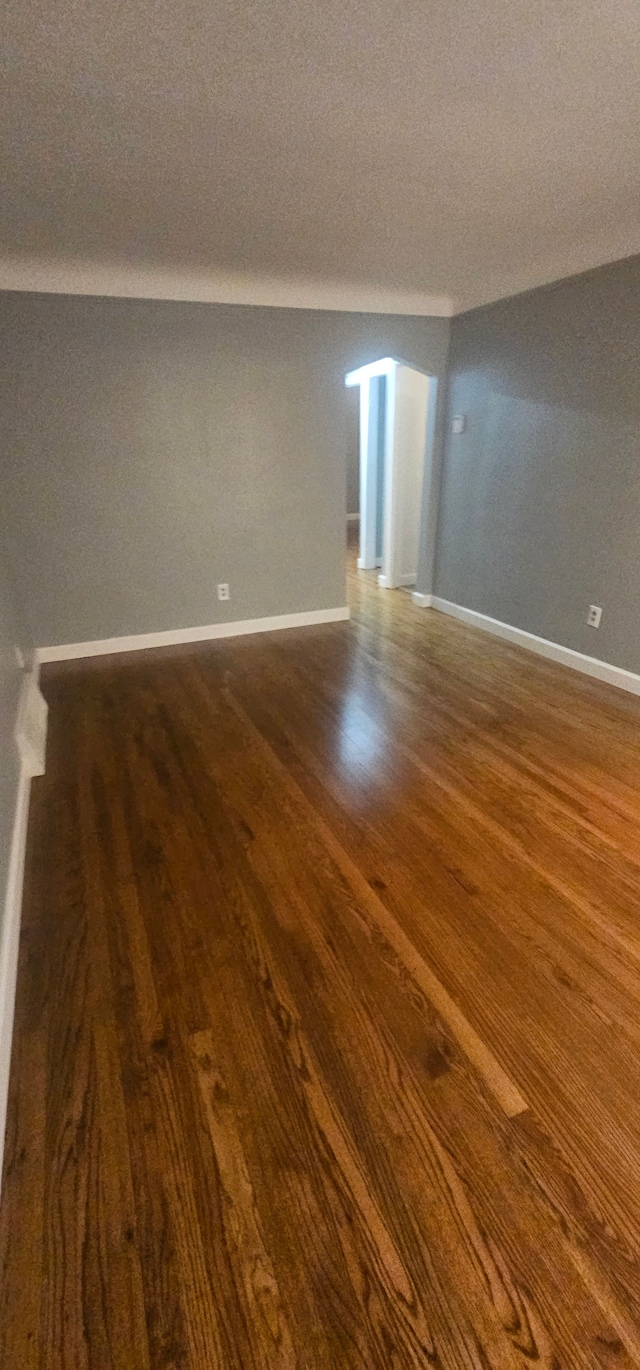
(327, 1047)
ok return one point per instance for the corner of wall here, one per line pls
(434, 462)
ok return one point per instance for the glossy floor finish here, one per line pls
(327, 1049)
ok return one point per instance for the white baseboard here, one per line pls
(404, 581)
(31, 751)
(422, 601)
(10, 943)
(554, 651)
(73, 651)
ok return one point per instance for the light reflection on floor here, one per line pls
(362, 742)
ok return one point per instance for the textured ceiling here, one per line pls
(463, 149)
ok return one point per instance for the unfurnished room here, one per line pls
(319, 685)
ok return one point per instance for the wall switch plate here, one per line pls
(594, 615)
(223, 590)
(459, 423)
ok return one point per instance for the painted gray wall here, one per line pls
(352, 399)
(540, 498)
(156, 448)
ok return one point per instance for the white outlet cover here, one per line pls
(223, 591)
(594, 615)
(459, 423)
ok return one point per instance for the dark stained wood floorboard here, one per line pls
(327, 1045)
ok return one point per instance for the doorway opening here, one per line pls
(393, 437)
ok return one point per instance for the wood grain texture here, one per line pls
(327, 1047)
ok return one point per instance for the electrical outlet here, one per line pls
(223, 590)
(594, 615)
(20, 657)
(459, 423)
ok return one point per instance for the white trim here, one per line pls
(422, 601)
(72, 651)
(64, 276)
(430, 491)
(369, 436)
(60, 276)
(554, 651)
(31, 725)
(364, 373)
(30, 764)
(10, 942)
(388, 520)
(404, 581)
(410, 400)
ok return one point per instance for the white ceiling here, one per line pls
(433, 154)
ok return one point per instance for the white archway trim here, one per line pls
(58, 276)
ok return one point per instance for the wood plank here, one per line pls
(327, 1048)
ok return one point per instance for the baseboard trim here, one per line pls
(404, 583)
(554, 651)
(31, 725)
(31, 740)
(10, 942)
(73, 651)
(422, 601)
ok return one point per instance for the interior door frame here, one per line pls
(369, 401)
(392, 574)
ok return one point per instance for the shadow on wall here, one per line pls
(353, 452)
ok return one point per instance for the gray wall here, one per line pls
(156, 448)
(352, 399)
(540, 497)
